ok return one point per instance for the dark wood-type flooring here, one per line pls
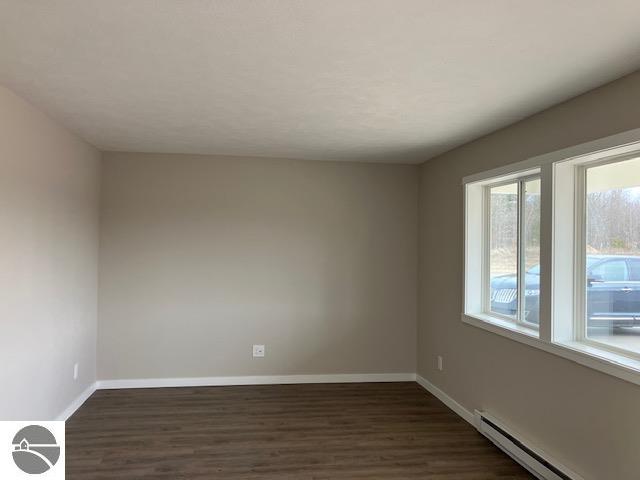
(318, 431)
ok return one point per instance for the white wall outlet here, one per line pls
(440, 364)
(75, 371)
(258, 350)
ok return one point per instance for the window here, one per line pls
(607, 271)
(552, 253)
(531, 252)
(634, 270)
(514, 251)
(612, 247)
(503, 249)
(502, 263)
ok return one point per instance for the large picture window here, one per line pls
(612, 254)
(552, 253)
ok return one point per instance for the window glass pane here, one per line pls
(503, 249)
(610, 271)
(634, 270)
(531, 237)
(613, 254)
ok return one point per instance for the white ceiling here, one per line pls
(378, 80)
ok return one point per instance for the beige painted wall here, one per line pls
(201, 257)
(589, 420)
(48, 262)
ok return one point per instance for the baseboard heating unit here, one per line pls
(539, 464)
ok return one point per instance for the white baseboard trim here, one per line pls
(254, 380)
(446, 399)
(77, 403)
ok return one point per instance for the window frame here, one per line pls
(559, 275)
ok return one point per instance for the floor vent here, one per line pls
(537, 463)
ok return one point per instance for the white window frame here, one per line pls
(562, 254)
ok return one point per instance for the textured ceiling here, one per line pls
(392, 80)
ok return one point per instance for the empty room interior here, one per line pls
(337, 239)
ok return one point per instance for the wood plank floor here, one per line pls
(319, 431)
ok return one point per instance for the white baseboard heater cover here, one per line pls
(538, 464)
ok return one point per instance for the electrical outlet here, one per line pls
(258, 350)
(440, 365)
(75, 371)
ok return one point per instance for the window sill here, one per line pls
(617, 365)
(498, 325)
